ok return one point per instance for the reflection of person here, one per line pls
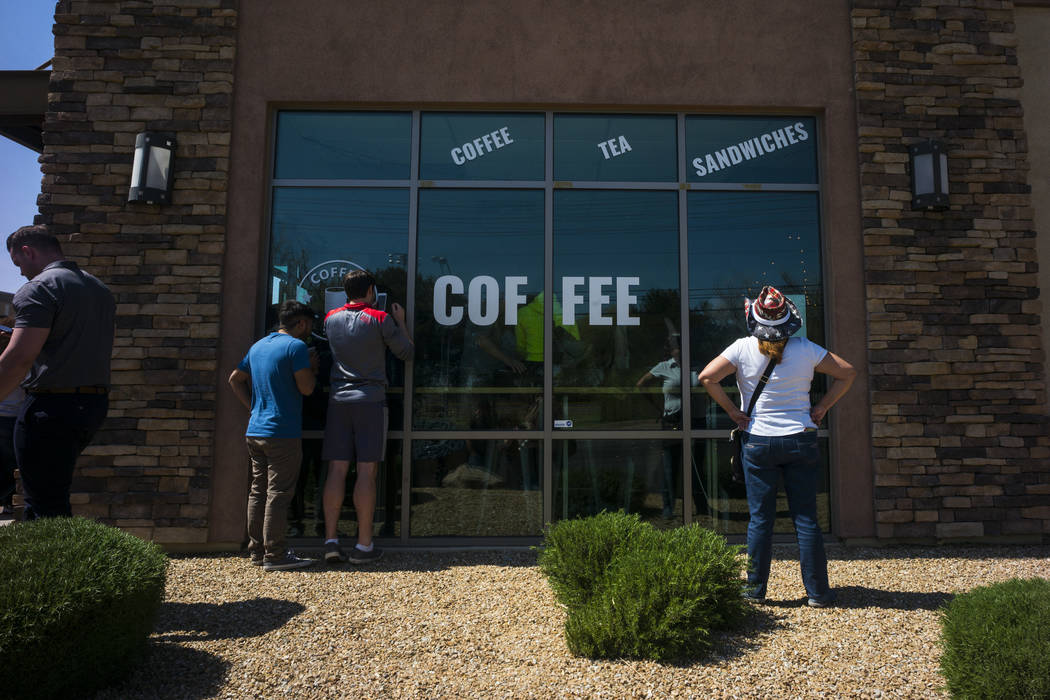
(357, 418)
(10, 405)
(670, 373)
(781, 438)
(280, 370)
(63, 337)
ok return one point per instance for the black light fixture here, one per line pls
(151, 171)
(929, 175)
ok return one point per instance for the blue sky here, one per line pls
(25, 43)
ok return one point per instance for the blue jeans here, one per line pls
(796, 458)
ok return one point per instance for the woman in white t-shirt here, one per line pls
(780, 438)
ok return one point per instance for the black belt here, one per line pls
(70, 390)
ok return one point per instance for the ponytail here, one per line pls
(773, 349)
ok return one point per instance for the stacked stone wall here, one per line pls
(121, 68)
(959, 403)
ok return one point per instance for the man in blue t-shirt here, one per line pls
(271, 381)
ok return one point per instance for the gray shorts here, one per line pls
(355, 431)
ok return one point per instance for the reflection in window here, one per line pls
(721, 505)
(480, 488)
(616, 273)
(615, 147)
(635, 476)
(481, 146)
(319, 234)
(739, 242)
(306, 512)
(479, 310)
(343, 145)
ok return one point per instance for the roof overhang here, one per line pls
(23, 103)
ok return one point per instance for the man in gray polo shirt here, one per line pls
(59, 352)
(355, 429)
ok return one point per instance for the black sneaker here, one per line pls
(257, 561)
(359, 556)
(288, 561)
(333, 554)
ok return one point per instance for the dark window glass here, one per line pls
(483, 146)
(306, 511)
(721, 505)
(615, 148)
(479, 310)
(636, 476)
(616, 310)
(477, 488)
(739, 242)
(343, 145)
(751, 149)
(319, 234)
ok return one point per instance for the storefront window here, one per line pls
(635, 476)
(479, 310)
(476, 488)
(738, 243)
(615, 148)
(343, 145)
(485, 146)
(751, 149)
(617, 308)
(472, 232)
(320, 234)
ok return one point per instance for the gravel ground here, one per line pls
(484, 624)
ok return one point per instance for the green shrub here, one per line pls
(996, 641)
(643, 593)
(576, 553)
(78, 601)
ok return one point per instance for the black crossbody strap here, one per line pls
(761, 384)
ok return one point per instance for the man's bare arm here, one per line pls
(239, 384)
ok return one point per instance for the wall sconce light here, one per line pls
(929, 175)
(151, 171)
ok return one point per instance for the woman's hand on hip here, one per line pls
(740, 418)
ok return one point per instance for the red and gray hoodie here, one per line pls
(359, 336)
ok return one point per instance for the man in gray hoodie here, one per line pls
(357, 414)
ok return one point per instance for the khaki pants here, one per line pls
(275, 469)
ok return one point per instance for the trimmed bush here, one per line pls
(78, 601)
(635, 592)
(996, 641)
(576, 553)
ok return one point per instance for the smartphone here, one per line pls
(6, 329)
(380, 301)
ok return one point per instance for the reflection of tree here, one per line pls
(716, 314)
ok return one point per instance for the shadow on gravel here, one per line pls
(171, 671)
(426, 561)
(201, 622)
(859, 597)
(731, 645)
(947, 551)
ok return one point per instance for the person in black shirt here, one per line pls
(59, 353)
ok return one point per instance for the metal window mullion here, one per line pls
(301, 182)
(410, 314)
(548, 322)
(684, 340)
(596, 185)
(751, 187)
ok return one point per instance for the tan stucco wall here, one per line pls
(1033, 53)
(742, 56)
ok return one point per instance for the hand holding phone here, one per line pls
(6, 329)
